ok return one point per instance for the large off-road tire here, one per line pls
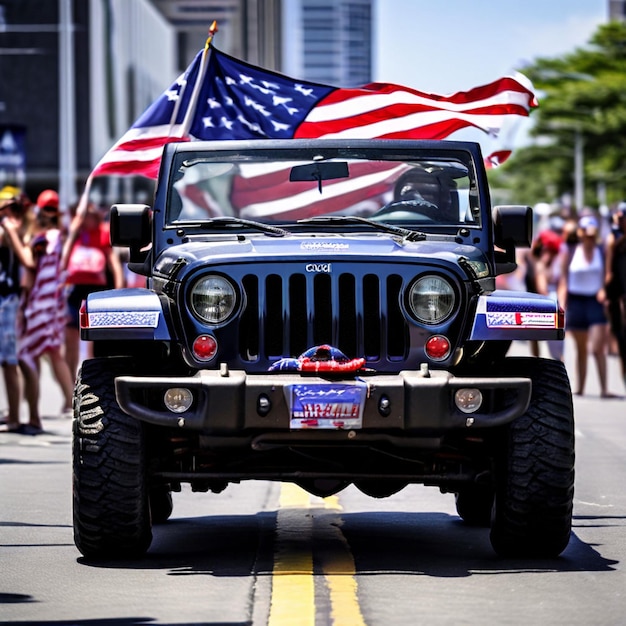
(535, 467)
(110, 495)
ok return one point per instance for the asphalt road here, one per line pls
(265, 553)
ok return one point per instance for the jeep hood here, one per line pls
(192, 255)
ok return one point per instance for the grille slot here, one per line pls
(286, 314)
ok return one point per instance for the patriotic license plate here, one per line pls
(326, 406)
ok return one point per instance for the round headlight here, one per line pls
(431, 299)
(213, 299)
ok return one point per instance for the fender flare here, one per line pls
(123, 314)
(517, 315)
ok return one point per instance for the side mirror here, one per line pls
(512, 228)
(131, 227)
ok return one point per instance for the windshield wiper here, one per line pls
(272, 231)
(405, 233)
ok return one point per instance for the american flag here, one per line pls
(220, 97)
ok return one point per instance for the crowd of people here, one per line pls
(581, 262)
(47, 268)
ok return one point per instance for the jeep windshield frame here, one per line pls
(428, 186)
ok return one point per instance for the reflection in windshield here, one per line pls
(416, 193)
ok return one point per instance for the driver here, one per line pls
(409, 189)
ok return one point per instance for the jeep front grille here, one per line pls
(287, 313)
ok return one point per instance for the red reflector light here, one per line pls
(204, 347)
(83, 317)
(437, 348)
(560, 318)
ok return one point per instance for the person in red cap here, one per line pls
(48, 199)
(546, 249)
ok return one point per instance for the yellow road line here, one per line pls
(332, 502)
(342, 588)
(293, 590)
(340, 573)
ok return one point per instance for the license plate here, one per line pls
(326, 405)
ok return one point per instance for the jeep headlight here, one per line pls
(431, 299)
(213, 299)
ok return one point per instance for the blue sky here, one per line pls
(443, 46)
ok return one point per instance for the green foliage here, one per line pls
(583, 92)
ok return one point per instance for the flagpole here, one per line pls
(183, 88)
(195, 94)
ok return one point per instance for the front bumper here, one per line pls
(232, 403)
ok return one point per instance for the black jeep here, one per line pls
(324, 313)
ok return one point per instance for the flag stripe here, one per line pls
(351, 103)
(431, 125)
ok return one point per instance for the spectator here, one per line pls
(581, 293)
(615, 282)
(530, 258)
(43, 305)
(92, 265)
(9, 302)
(546, 249)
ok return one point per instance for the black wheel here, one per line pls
(474, 505)
(161, 504)
(535, 468)
(111, 506)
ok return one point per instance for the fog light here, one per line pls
(384, 406)
(437, 348)
(263, 405)
(204, 347)
(468, 400)
(178, 399)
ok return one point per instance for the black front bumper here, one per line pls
(232, 403)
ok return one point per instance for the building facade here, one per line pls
(248, 29)
(30, 89)
(112, 56)
(328, 41)
(617, 10)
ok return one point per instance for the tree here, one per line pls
(583, 92)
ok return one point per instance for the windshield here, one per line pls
(416, 193)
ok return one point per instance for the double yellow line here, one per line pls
(293, 580)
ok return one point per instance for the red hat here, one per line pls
(48, 198)
(550, 241)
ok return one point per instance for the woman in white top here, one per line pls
(582, 295)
